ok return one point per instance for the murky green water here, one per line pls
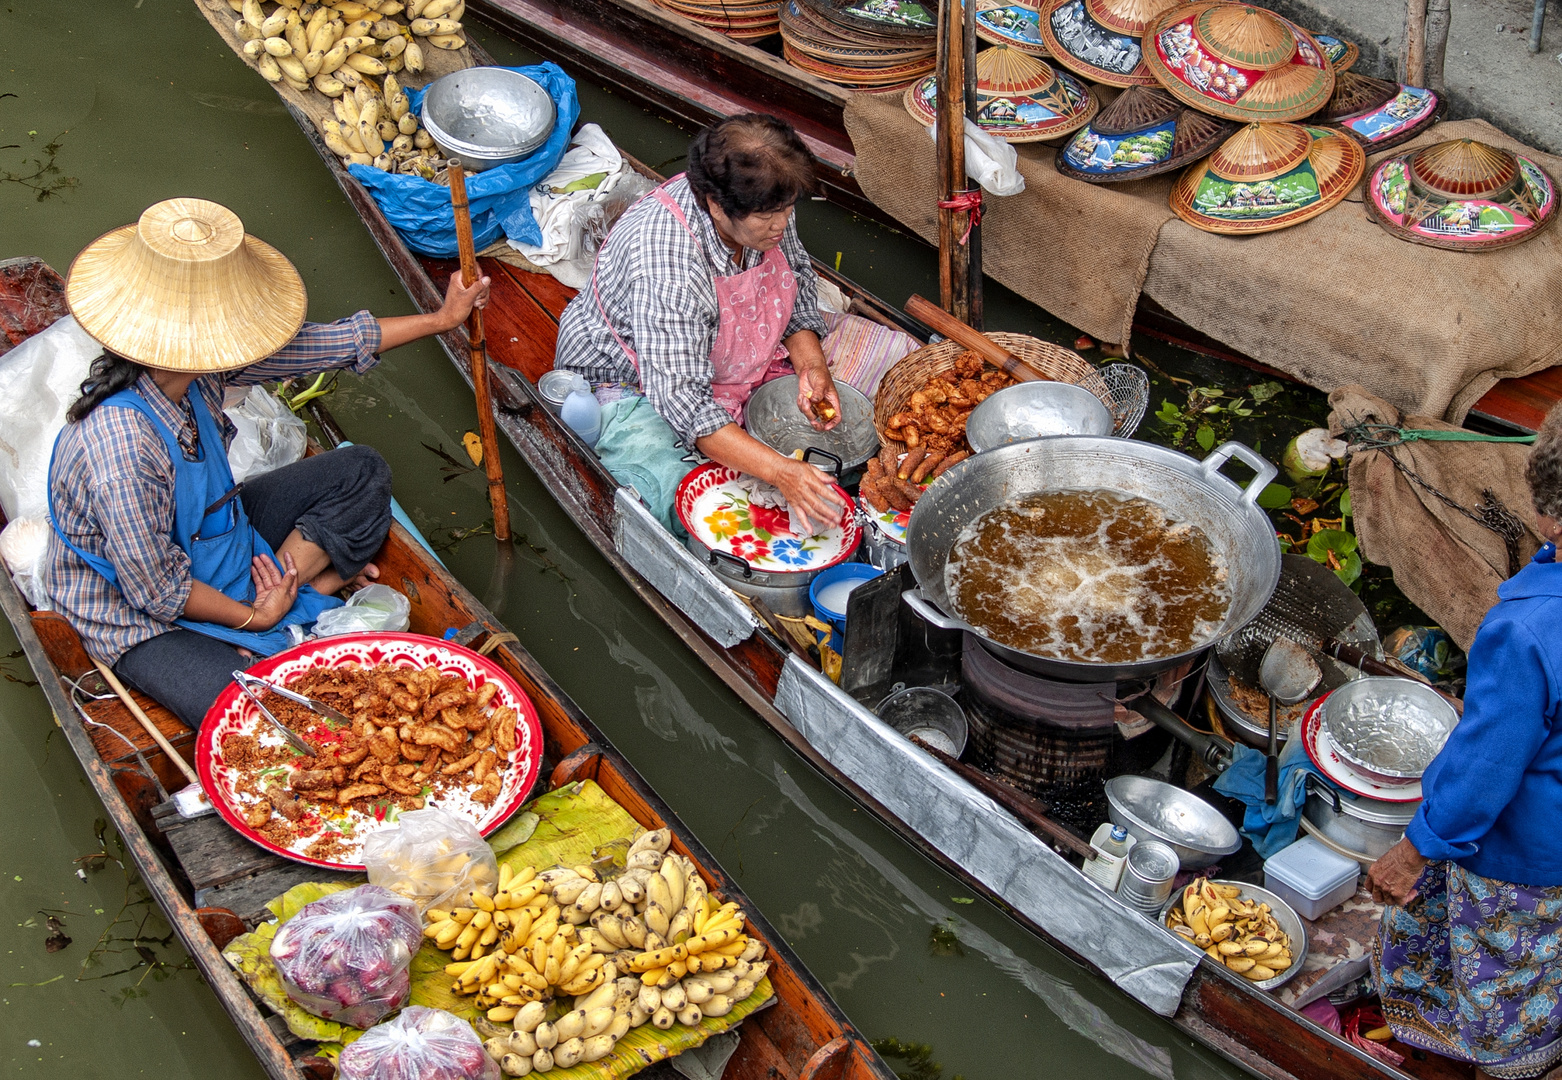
(147, 103)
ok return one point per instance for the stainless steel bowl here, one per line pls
(1030, 410)
(1388, 728)
(1152, 810)
(775, 420)
(487, 116)
(1284, 914)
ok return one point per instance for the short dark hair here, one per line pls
(750, 164)
(1543, 470)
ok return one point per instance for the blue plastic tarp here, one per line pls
(500, 198)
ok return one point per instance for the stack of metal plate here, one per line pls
(864, 44)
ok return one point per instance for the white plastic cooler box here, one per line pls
(1310, 877)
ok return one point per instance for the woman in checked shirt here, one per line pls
(172, 574)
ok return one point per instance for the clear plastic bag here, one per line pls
(373, 607)
(420, 1044)
(345, 956)
(269, 436)
(38, 381)
(603, 214)
(24, 544)
(430, 856)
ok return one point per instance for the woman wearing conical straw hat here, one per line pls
(173, 575)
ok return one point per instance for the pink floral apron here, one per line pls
(754, 309)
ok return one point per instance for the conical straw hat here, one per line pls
(1019, 98)
(185, 289)
(1461, 195)
(1144, 132)
(1238, 61)
(1099, 39)
(1236, 189)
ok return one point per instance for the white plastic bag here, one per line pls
(269, 437)
(373, 607)
(24, 544)
(562, 214)
(990, 161)
(39, 379)
(420, 1044)
(345, 956)
(430, 857)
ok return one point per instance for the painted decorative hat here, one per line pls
(1099, 39)
(1377, 113)
(1144, 132)
(1238, 61)
(1013, 24)
(1461, 195)
(1019, 98)
(1340, 53)
(1267, 177)
(887, 18)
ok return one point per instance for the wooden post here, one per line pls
(1438, 18)
(974, 259)
(497, 499)
(953, 256)
(1412, 57)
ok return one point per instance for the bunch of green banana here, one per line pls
(1237, 932)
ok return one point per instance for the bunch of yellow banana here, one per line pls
(438, 22)
(587, 1032)
(375, 126)
(1238, 932)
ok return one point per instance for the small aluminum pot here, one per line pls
(1367, 827)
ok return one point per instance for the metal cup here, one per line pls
(1147, 877)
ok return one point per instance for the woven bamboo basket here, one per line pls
(1049, 361)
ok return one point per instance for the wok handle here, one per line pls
(1249, 457)
(734, 561)
(831, 458)
(923, 607)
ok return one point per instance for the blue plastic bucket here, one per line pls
(831, 588)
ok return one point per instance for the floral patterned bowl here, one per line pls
(715, 505)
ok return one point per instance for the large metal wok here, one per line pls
(1188, 490)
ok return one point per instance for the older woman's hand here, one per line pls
(1393, 877)
(817, 398)
(811, 492)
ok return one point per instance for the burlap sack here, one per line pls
(1337, 300)
(1079, 250)
(1448, 564)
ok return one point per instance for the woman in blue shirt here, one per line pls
(1469, 955)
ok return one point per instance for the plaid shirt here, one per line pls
(657, 286)
(113, 491)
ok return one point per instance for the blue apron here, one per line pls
(211, 527)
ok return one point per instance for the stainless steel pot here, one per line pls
(773, 418)
(785, 593)
(488, 116)
(1188, 490)
(1364, 826)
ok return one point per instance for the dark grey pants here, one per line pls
(339, 500)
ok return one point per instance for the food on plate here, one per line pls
(344, 957)
(1238, 932)
(420, 1044)
(417, 736)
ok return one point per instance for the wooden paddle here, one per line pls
(146, 722)
(497, 499)
(936, 318)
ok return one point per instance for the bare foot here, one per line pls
(329, 582)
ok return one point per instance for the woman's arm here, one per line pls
(460, 299)
(806, 487)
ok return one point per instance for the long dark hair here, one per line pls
(109, 374)
(750, 164)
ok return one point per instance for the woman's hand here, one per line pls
(460, 299)
(1393, 877)
(809, 491)
(275, 590)
(816, 397)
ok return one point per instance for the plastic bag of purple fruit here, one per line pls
(420, 1044)
(345, 956)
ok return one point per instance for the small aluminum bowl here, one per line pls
(485, 117)
(1284, 914)
(1395, 748)
(928, 713)
(774, 419)
(1031, 410)
(1152, 810)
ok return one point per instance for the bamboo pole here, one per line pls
(1412, 58)
(1438, 18)
(497, 499)
(954, 258)
(974, 244)
(146, 722)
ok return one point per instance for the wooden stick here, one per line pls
(977, 312)
(954, 258)
(1438, 17)
(497, 499)
(1021, 805)
(146, 722)
(925, 311)
(1413, 55)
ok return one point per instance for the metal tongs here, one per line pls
(244, 679)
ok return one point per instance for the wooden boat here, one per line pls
(212, 884)
(933, 808)
(691, 74)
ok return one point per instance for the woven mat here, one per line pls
(1332, 301)
(1078, 250)
(1447, 564)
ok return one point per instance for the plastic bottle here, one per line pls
(583, 415)
(1111, 848)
